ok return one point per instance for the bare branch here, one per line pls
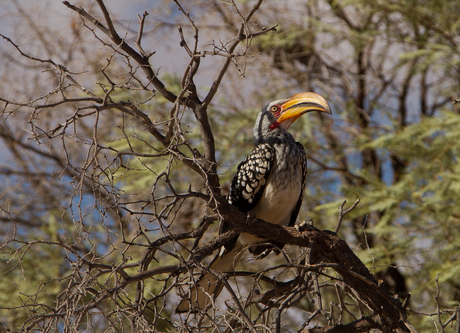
(231, 48)
(343, 213)
(111, 32)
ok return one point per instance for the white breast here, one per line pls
(277, 203)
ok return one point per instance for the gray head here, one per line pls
(276, 117)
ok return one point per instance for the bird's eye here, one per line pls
(275, 108)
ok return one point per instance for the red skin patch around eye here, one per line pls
(276, 114)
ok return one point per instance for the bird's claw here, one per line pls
(251, 217)
(304, 226)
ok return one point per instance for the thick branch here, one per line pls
(362, 325)
(330, 248)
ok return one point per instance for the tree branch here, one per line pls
(143, 61)
(343, 213)
(239, 37)
(330, 248)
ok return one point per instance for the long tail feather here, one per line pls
(208, 287)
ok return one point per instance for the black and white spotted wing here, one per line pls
(250, 179)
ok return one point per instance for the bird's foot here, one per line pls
(304, 226)
(251, 217)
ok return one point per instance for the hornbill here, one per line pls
(270, 182)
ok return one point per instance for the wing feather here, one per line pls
(249, 182)
(251, 177)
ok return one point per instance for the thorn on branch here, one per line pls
(342, 213)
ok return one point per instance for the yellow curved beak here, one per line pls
(302, 103)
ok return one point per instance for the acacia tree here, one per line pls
(112, 196)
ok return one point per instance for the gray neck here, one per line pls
(262, 132)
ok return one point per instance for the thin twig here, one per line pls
(231, 48)
(111, 32)
(457, 316)
(140, 33)
(223, 279)
(261, 32)
(343, 213)
(49, 61)
(438, 306)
